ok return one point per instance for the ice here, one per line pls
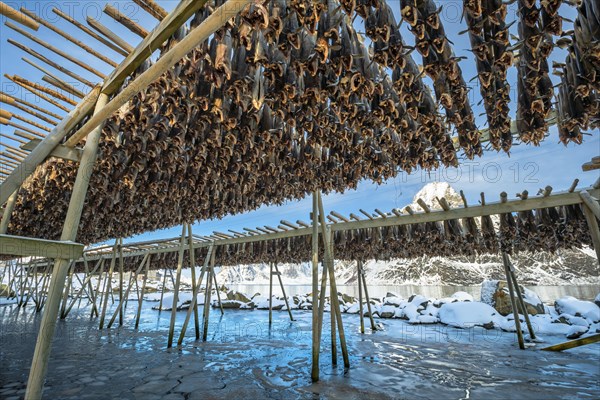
(467, 314)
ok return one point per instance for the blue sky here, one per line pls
(527, 167)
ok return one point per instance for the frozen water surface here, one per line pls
(244, 358)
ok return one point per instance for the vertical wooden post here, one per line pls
(119, 308)
(46, 333)
(98, 286)
(90, 287)
(270, 293)
(520, 300)
(8, 209)
(360, 302)
(195, 295)
(207, 295)
(367, 298)
(214, 275)
(315, 286)
(193, 267)
(108, 282)
(594, 229)
(162, 291)
(322, 294)
(66, 292)
(332, 292)
(120, 283)
(513, 302)
(335, 304)
(287, 304)
(141, 295)
(176, 289)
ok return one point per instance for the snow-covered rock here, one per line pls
(462, 296)
(579, 308)
(467, 314)
(597, 300)
(387, 311)
(496, 294)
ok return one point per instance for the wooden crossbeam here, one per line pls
(60, 151)
(30, 247)
(125, 21)
(107, 33)
(17, 16)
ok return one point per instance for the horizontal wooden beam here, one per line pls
(60, 151)
(573, 343)
(30, 247)
(17, 16)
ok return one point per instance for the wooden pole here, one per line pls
(368, 300)
(574, 343)
(287, 304)
(195, 296)
(66, 292)
(360, 302)
(70, 38)
(4, 98)
(99, 284)
(107, 33)
(8, 209)
(41, 88)
(207, 295)
(15, 15)
(594, 229)
(214, 275)
(332, 312)
(152, 8)
(108, 283)
(211, 24)
(176, 288)
(513, 303)
(120, 308)
(521, 301)
(315, 286)
(141, 295)
(590, 202)
(270, 293)
(126, 22)
(335, 304)
(69, 233)
(162, 292)
(193, 267)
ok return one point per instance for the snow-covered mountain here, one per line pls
(567, 267)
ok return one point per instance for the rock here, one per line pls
(597, 300)
(233, 295)
(462, 296)
(578, 308)
(346, 298)
(255, 295)
(387, 312)
(390, 294)
(229, 304)
(6, 291)
(497, 295)
(467, 314)
(576, 331)
(418, 300)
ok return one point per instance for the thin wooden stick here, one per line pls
(56, 50)
(206, 314)
(367, 298)
(32, 123)
(120, 282)
(60, 85)
(176, 288)
(152, 8)
(70, 38)
(21, 127)
(214, 275)
(270, 293)
(316, 344)
(90, 32)
(12, 138)
(109, 34)
(119, 309)
(39, 94)
(192, 256)
(513, 302)
(108, 282)
(42, 88)
(141, 295)
(126, 22)
(360, 302)
(4, 98)
(17, 16)
(283, 291)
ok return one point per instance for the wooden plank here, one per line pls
(152, 42)
(590, 166)
(31, 247)
(574, 343)
(59, 151)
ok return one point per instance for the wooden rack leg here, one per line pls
(287, 304)
(207, 295)
(360, 302)
(132, 278)
(176, 289)
(329, 263)
(162, 291)
(98, 293)
(120, 308)
(108, 283)
(214, 275)
(315, 286)
(141, 295)
(193, 267)
(367, 298)
(513, 302)
(594, 229)
(270, 293)
(520, 299)
(65, 299)
(322, 295)
(195, 296)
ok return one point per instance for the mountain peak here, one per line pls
(430, 192)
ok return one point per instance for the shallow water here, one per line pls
(245, 358)
(547, 293)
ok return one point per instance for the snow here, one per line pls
(184, 297)
(488, 288)
(467, 314)
(571, 305)
(462, 296)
